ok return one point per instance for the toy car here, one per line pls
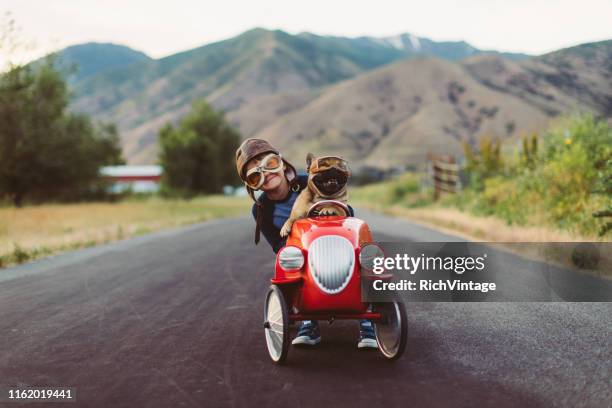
(318, 277)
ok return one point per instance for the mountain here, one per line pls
(282, 86)
(230, 74)
(449, 50)
(86, 60)
(255, 77)
(395, 115)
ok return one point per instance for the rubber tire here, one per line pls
(275, 291)
(403, 333)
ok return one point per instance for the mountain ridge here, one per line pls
(262, 77)
(82, 61)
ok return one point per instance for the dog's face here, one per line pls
(329, 182)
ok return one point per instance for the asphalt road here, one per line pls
(173, 319)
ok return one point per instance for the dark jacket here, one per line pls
(268, 229)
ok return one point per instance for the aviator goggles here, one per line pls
(255, 177)
(328, 162)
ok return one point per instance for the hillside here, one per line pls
(230, 74)
(396, 114)
(573, 78)
(256, 78)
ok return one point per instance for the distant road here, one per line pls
(174, 318)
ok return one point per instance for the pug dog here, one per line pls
(327, 180)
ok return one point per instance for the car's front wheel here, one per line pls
(276, 325)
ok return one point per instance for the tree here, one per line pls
(198, 154)
(46, 152)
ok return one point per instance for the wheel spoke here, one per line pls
(275, 321)
(275, 313)
(277, 342)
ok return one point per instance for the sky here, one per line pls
(161, 28)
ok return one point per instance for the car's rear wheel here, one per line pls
(276, 325)
(392, 329)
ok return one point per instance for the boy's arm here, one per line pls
(270, 233)
(299, 210)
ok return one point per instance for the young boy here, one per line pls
(261, 167)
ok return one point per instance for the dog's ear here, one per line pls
(309, 158)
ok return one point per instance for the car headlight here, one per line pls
(368, 254)
(291, 258)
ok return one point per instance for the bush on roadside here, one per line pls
(554, 186)
(484, 161)
(403, 188)
(603, 188)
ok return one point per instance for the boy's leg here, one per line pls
(308, 333)
(367, 337)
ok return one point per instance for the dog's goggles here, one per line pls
(326, 163)
(255, 177)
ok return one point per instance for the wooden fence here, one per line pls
(444, 172)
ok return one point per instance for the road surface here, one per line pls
(173, 319)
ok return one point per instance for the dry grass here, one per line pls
(492, 229)
(480, 228)
(36, 231)
(477, 228)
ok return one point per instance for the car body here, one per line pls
(328, 285)
(318, 276)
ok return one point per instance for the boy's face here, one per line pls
(272, 180)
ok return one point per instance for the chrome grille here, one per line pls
(331, 259)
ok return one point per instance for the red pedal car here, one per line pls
(318, 277)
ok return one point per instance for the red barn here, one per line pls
(138, 179)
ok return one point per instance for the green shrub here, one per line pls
(484, 162)
(529, 152)
(568, 178)
(557, 186)
(402, 188)
(20, 255)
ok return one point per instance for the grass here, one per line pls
(37, 231)
(405, 191)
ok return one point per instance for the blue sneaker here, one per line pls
(367, 337)
(308, 334)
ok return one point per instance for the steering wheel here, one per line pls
(314, 209)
